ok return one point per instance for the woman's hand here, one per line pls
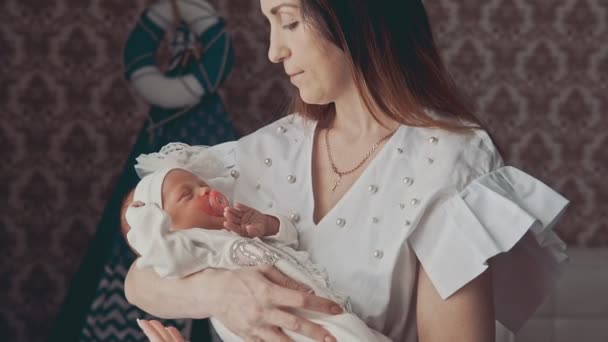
(157, 332)
(249, 222)
(251, 301)
(258, 300)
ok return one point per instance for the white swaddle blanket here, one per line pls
(183, 252)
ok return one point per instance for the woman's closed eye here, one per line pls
(291, 26)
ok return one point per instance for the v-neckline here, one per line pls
(371, 165)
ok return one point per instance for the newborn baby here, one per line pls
(175, 225)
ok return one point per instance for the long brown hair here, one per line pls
(394, 60)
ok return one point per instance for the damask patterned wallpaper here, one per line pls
(537, 70)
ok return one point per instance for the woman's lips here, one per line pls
(213, 203)
(294, 77)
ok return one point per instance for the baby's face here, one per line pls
(186, 200)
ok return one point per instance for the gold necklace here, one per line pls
(334, 168)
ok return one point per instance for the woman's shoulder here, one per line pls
(283, 133)
(287, 125)
(470, 153)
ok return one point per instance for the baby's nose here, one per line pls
(203, 190)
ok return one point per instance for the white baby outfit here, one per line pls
(179, 253)
(445, 199)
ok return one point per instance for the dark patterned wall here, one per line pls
(537, 71)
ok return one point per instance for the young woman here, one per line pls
(396, 189)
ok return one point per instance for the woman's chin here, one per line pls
(313, 99)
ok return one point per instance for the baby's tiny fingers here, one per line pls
(242, 207)
(254, 230)
(232, 216)
(233, 227)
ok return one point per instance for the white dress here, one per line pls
(177, 254)
(442, 198)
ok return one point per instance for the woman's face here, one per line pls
(318, 68)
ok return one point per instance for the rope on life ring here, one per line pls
(213, 60)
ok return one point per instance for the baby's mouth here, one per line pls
(213, 203)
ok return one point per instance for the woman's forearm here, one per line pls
(189, 297)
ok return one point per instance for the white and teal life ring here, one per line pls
(190, 85)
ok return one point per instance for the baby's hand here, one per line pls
(249, 222)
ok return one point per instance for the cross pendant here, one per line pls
(336, 183)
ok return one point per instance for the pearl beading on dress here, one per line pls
(340, 222)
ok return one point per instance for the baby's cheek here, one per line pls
(186, 218)
(198, 219)
(201, 219)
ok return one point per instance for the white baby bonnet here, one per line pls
(199, 160)
(150, 188)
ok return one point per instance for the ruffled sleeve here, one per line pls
(503, 219)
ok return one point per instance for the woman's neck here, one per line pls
(353, 117)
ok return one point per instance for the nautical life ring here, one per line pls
(213, 60)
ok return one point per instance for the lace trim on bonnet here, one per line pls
(199, 160)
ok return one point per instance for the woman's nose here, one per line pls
(277, 51)
(277, 55)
